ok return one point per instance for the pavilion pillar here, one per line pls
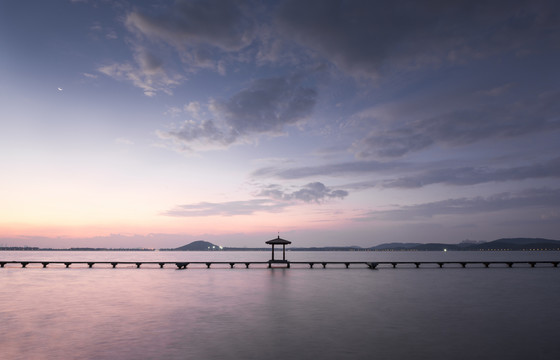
(284, 252)
(273, 252)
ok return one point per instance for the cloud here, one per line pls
(312, 192)
(465, 126)
(199, 30)
(149, 77)
(530, 198)
(430, 173)
(276, 201)
(266, 106)
(477, 175)
(337, 169)
(230, 208)
(219, 23)
(369, 37)
(203, 135)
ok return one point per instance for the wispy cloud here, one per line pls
(476, 175)
(531, 198)
(199, 31)
(271, 199)
(334, 169)
(462, 127)
(147, 77)
(313, 192)
(420, 174)
(229, 208)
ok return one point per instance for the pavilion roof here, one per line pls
(278, 241)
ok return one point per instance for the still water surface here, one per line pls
(298, 313)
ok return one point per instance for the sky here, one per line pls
(329, 122)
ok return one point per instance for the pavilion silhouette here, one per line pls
(279, 241)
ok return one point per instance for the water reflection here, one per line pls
(277, 313)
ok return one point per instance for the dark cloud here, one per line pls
(463, 127)
(366, 37)
(218, 23)
(531, 198)
(149, 62)
(312, 192)
(266, 106)
(477, 175)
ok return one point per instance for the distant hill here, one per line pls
(395, 246)
(198, 246)
(500, 244)
(519, 244)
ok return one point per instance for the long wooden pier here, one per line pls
(289, 264)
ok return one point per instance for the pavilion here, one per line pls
(279, 241)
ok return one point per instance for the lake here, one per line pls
(297, 313)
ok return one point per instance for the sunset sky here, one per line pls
(157, 123)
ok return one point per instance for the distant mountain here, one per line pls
(198, 246)
(395, 246)
(518, 244)
(500, 244)
(437, 247)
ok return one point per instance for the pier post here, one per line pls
(463, 264)
(231, 265)
(394, 265)
(208, 265)
(138, 265)
(45, 264)
(114, 264)
(311, 265)
(67, 264)
(161, 265)
(24, 264)
(2, 264)
(247, 265)
(486, 264)
(417, 265)
(440, 264)
(554, 263)
(532, 264)
(509, 264)
(347, 265)
(90, 264)
(324, 265)
(372, 265)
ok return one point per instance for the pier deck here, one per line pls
(289, 264)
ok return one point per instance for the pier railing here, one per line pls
(288, 264)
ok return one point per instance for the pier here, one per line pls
(182, 265)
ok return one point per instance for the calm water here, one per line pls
(298, 313)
